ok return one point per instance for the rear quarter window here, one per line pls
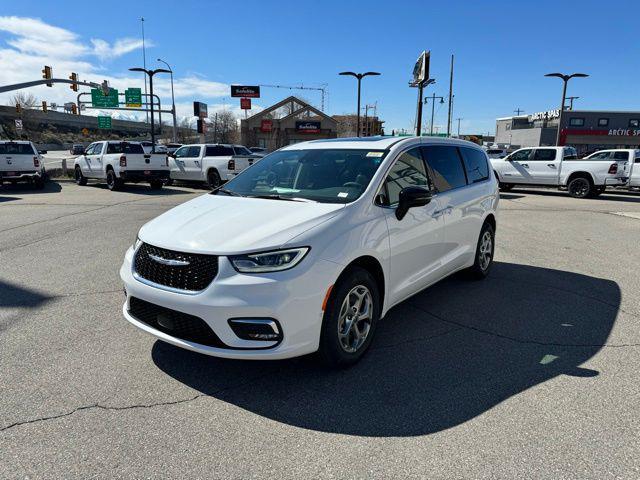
(445, 167)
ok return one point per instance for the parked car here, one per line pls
(310, 247)
(558, 167)
(146, 145)
(210, 163)
(258, 151)
(20, 161)
(77, 149)
(118, 162)
(172, 147)
(497, 152)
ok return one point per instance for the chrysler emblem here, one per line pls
(168, 261)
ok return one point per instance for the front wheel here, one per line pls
(79, 177)
(350, 318)
(580, 187)
(484, 253)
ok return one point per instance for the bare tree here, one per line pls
(24, 99)
(225, 126)
(185, 131)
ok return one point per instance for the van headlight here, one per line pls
(264, 262)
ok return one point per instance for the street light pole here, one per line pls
(150, 74)
(433, 105)
(359, 77)
(458, 119)
(565, 80)
(173, 103)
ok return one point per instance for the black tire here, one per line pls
(580, 187)
(113, 182)
(334, 348)
(168, 182)
(156, 184)
(505, 187)
(598, 191)
(79, 177)
(213, 179)
(481, 267)
(38, 183)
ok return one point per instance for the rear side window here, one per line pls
(445, 167)
(242, 151)
(475, 162)
(219, 151)
(621, 156)
(124, 147)
(193, 152)
(16, 149)
(547, 154)
(408, 171)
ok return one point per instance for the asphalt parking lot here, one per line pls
(533, 373)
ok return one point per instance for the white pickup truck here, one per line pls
(20, 161)
(631, 167)
(210, 163)
(118, 162)
(558, 167)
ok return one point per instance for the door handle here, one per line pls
(552, 165)
(441, 212)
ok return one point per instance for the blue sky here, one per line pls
(502, 51)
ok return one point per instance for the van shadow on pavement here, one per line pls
(439, 359)
(14, 296)
(50, 186)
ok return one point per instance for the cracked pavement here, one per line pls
(532, 373)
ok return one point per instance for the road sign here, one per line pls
(18, 124)
(98, 99)
(133, 97)
(104, 122)
(85, 131)
(199, 109)
(245, 103)
(247, 91)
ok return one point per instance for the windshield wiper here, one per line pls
(228, 192)
(275, 196)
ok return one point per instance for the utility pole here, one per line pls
(571, 99)
(517, 111)
(433, 105)
(144, 63)
(458, 119)
(421, 86)
(450, 99)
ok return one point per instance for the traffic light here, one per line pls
(18, 108)
(44, 106)
(74, 109)
(74, 79)
(47, 75)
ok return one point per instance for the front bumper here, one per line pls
(292, 297)
(144, 175)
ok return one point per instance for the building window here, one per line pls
(603, 122)
(634, 123)
(576, 122)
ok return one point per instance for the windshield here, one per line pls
(327, 176)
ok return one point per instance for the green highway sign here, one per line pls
(104, 122)
(133, 97)
(100, 100)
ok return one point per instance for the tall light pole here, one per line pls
(173, 103)
(433, 105)
(571, 99)
(421, 85)
(565, 80)
(359, 77)
(150, 74)
(144, 60)
(458, 119)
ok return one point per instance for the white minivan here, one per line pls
(310, 247)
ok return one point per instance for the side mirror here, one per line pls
(411, 197)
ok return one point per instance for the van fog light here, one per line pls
(260, 329)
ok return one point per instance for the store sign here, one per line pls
(247, 91)
(548, 115)
(266, 126)
(624, 132)
(245, 103)
(308, 127)
(199, 109)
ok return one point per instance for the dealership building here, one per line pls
(287, 122)
(586, 130)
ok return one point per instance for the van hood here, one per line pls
(224, 225)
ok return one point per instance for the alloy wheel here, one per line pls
(579, 187)
(354, 321)
(486, 251)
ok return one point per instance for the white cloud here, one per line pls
(105, 50)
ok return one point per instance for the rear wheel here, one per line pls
(79, 177)
(156, 184)
(113, 182)
(580, 187)
(505, 187)
(168, 182)
(213, 179)
(38, 182)
(350, 318)
(484, 253)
